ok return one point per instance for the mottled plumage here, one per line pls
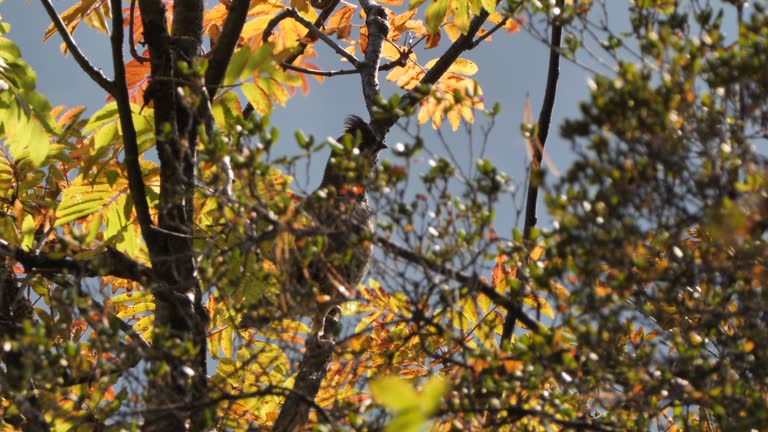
(325, 267)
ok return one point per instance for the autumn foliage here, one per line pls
(135, 236)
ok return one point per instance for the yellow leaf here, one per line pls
(460, 66)
(452, 30)
(136, 309)
(537, 252)
(130, 297)
(226, 340)
(539, 304)
(71, 17)
(560, 291)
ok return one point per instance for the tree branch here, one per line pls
(225, 45)
(490, 32)
(95, 74)
(537, 152)
(135, 177)
(378, 29)
(110, 262)
(326, 11)
(472, 282)
(545, 117)
(131, 42)
(314, 31)
(295, 410)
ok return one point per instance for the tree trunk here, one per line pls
(177, 378)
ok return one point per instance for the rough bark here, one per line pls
(178, 372)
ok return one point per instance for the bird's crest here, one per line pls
(354, 124)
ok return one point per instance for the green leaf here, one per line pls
(413, 4)
(461, 14)
(101, 117)
(246, 62)
(394, 393)
(236, 66)
(28, 232)
(435, 13)
(105, 136)
(411, 410)
(489, 5)
(433, 392)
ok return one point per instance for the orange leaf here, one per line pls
(340, 22)
(433, 40)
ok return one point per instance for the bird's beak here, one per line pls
(381, 146)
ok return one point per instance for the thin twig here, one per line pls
(385, 67)
(318, 72)
(96, 74)
(472, 282)
(490, 32)
(135, 177)
(314, 31)
(139, 58)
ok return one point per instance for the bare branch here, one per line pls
(391, 65)
(135, 177)
(96, 74)
(472, 282)
(490, 32)
(545, 117)
(225, 45)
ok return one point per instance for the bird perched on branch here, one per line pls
(330, 253)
